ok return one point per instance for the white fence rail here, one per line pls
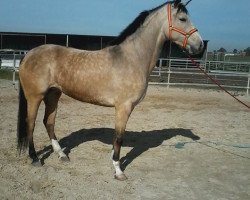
(10, 59)
(234, 75)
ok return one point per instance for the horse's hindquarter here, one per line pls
(36, 70)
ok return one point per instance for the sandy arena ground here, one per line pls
(180, 144)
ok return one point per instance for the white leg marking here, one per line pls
(57, 148)
(118, 170)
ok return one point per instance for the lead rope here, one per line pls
(215, 81)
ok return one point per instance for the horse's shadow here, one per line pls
(139, 141)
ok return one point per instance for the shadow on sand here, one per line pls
(139, 141)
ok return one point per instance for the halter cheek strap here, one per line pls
(171, 29)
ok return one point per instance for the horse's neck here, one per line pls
(146, 43)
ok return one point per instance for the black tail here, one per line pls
(22, 135)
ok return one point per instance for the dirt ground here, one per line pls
(180, 144)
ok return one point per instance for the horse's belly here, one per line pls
(90, 95)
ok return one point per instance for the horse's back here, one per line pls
(44, 54)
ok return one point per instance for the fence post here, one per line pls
(248, 86)
(248, 82)
(14, 70)
(169, 72)
(160, 67)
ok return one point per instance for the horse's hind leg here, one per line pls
(122, 114)
(51, 102)
(32, 108)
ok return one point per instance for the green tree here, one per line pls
(247, 50)
(222, 50)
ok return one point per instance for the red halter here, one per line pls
(171, 29)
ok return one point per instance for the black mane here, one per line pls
(131, 28)
(138, 21)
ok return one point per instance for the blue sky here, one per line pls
(226, 23)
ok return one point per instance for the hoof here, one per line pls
(121, 177)
(64, 159)
(36, 163)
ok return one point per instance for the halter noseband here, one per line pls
(171, 29)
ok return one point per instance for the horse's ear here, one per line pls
(176, 3)
(187, 2)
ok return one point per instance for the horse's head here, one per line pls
(181, 30)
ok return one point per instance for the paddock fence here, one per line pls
(170, 72)
(174, 72)
(10, 60)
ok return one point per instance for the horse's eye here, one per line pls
(183, 19)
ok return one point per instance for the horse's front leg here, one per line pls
(122, 114)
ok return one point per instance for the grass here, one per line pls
(7, 74)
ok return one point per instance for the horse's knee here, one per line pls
(118, 140)
(117, 143)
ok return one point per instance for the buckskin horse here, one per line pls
(116, 76)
